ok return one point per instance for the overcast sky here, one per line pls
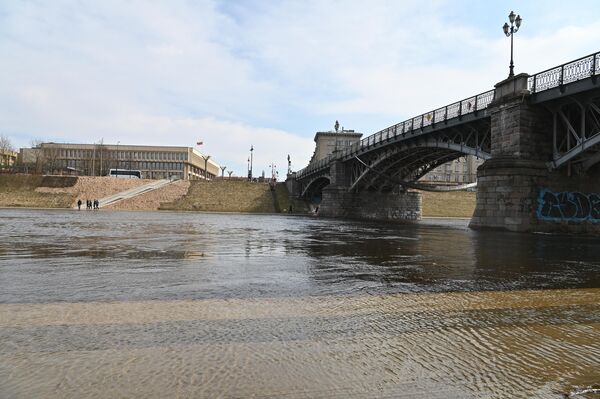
(264, 73)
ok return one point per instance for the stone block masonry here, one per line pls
(338, 202)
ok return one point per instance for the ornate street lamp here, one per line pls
(206, 158)
(510, 30)
(251, 160)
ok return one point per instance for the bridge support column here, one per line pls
(508, 183)
(292, 185)
(516, 190)
(338, 202)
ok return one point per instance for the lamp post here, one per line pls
(251, 159)
(249, 178)
(223, 171)
(206, 158)
(94, 160)
(101, 142)
(272, 166)
(510, 30)
(118, 158)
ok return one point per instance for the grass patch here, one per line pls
(448, 204)
(19, 191)
(225, 196)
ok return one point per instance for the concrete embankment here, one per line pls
(152, 200)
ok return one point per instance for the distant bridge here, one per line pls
(565, 101)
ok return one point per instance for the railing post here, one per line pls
(593, 71)
(459, 109)
(475, 106)
(560, 80)
(446, 113)
(422, 121)
(534, 83)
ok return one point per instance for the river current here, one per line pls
(162, 304)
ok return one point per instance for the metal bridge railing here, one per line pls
(582, 68)
(579, 69)
(467, 106)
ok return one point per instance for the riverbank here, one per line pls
(30, 191)
(27, 191)
(213, 196)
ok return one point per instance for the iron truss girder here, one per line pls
(469, 134)
(411, 159)
(417, 169)
(575, 131)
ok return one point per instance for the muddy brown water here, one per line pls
(163, 304)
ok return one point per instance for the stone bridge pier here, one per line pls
(517, 190)
(338, 201)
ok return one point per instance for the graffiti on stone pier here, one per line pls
(568, 206)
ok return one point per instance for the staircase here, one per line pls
(274, 198)
(133, 192)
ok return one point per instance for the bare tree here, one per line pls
(36, 161)
(99, 159)
(50, 155)
(5, 144)
(5, 149)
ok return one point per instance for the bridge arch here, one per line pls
(411, 161)
(314, 187)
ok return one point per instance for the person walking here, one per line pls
(79, 204)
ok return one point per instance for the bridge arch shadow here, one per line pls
(313, 190)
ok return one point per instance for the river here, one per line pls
(104, 304)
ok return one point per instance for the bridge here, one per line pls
(538, 134)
